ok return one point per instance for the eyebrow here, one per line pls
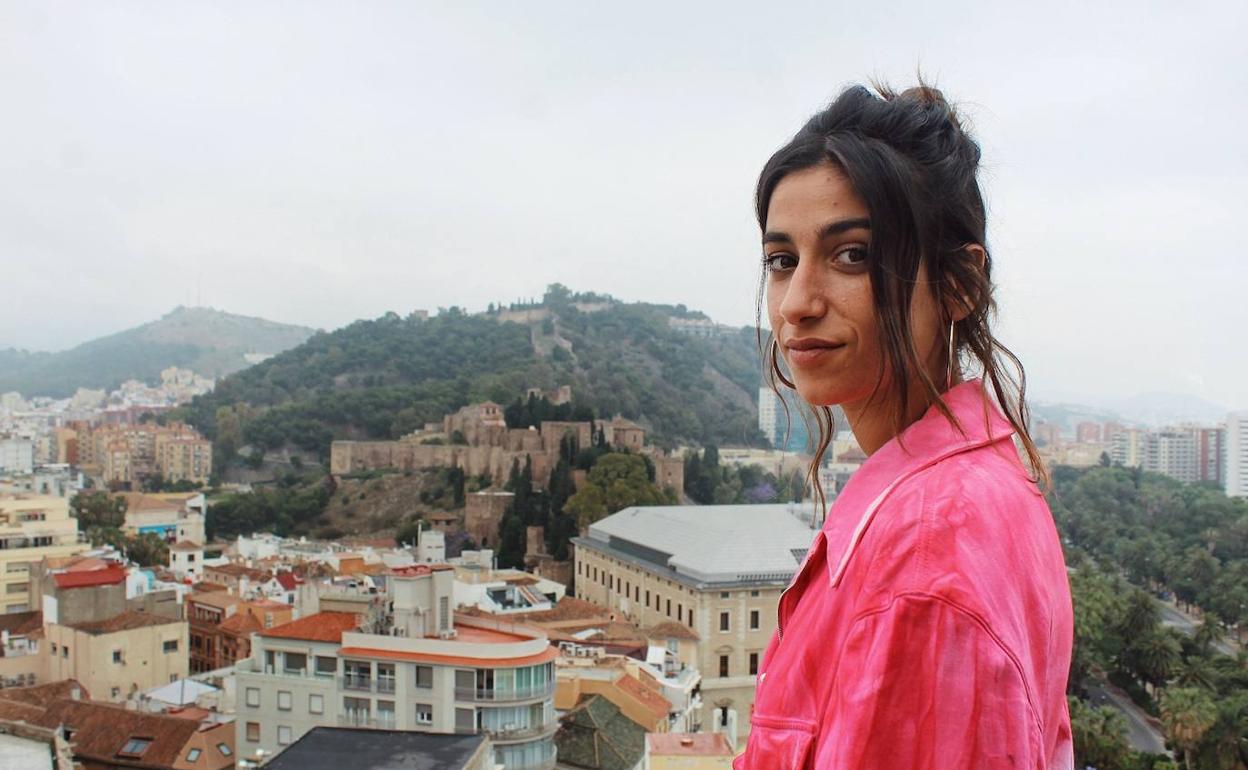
(832, 228)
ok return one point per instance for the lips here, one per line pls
(811, 352)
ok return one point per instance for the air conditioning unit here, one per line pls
(446, 633)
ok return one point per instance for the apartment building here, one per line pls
(221, 626)
(400, 660)
(716, 569)
(1237, 454)
(32, 528)
(1185, 453)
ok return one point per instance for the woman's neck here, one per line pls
(873, 423)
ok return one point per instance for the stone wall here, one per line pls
(482, 515)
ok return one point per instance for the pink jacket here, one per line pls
(930, 624)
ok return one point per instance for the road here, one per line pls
(1141, 735)
(1171, 616)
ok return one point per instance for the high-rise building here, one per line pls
(789, 430)
(1237, 454)
(1211, 454)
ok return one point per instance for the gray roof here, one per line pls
(336, 748)
(702, 544)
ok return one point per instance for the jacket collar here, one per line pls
(928, 440)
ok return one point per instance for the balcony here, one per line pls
(358, 683)
(495, 696)
(382, 721)
(510, 734)
(385, 685)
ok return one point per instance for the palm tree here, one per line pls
(1142, 615)
(1197, 671)
(1225, 745)
(1157, 655)
(1187, 713)
(1209, 632)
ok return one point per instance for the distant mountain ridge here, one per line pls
(1152, 409)
(385, 377)
(210, 342)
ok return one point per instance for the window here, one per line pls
(18, 588)
(283, 700)
(579, 568)
(723, 621)
(54, 648)
(691, 617)
(295, 662)
(385, 677)
(636, 593)
(424, 713)
(316, 704)
(253, 732)
(424, 676)
(117, 656)
(190, 557)
(680, 611)
(135, 747)
(647, 597)
(193, 755)
(283, 735)
(170, 645)
(114, 693)
(669, 608)
(224, 749)
(754, 593)
(753, 664)
(754, 620)
(326, 666)
(253, 697)
(65, 651)
(723, 665)
(723, 594)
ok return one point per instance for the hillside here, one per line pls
(210, 342)
(385, 377)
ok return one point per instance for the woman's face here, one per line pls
(819, 299)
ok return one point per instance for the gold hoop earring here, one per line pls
(949, 374)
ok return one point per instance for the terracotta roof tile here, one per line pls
(321, 627)
(688, 744)
(100, 731)
(21, 623)
(126, 621)
(670, 629)
(41, 695)
(110, 575)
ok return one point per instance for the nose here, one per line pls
(804, 298)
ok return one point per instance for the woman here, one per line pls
(930, 624)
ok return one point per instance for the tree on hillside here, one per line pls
(618, 480)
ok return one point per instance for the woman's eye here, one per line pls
(853, 255)
(775, 262)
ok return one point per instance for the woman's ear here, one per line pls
(961, 300)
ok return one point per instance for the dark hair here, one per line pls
(914, 165)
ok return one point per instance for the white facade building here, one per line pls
(1237, 454)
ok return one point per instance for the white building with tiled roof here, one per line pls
(716, 569)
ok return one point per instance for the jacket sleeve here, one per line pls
(922, 685)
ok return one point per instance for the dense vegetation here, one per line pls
(1132, 537)
(209, 342)
(386, 377)
(100, 517)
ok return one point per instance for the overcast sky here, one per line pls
(317, 163)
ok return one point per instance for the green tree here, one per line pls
(98, 509)
(1187, 713)
(1100, 736)
(618, 480)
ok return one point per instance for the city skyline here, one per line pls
(320, 167)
